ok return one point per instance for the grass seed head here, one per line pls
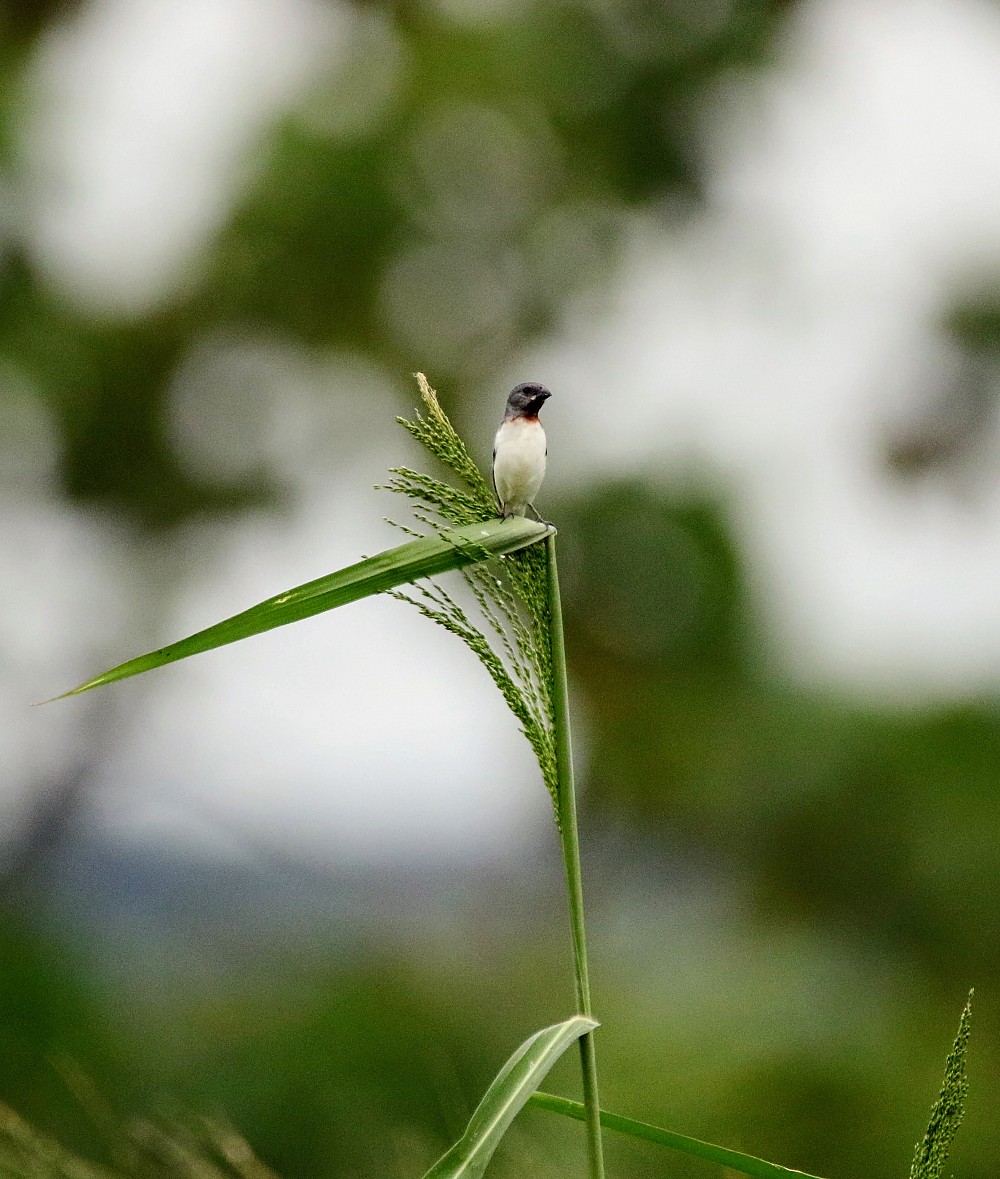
(510, 635)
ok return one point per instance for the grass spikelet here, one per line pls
(511, 636)
(946, 1116)
(436, 433)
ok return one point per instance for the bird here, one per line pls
(519, 450)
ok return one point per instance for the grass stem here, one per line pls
(570, 840)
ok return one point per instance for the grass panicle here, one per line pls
(511, 634)
(949, 1109)
(436, 433)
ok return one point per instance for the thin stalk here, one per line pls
(570, 840)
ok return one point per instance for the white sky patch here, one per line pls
(60, 592)
(873, 147)
(143, 117)
(770, 341)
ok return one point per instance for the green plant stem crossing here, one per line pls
(570, 841)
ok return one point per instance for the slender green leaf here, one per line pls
(452, 548)
(946, 1116)
(511, 1088)
(747, 1164)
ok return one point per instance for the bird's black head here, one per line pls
(526, 400)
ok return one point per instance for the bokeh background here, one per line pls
(311, 881)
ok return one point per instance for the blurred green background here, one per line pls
(209, 302)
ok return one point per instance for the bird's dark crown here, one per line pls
(526, 400)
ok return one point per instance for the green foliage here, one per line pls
(505, 1098)
(511, 592)
(946, 1116)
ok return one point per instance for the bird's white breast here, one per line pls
(519, 465)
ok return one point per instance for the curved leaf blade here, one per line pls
(449, 549)
(746, 1164)
(505, 1098)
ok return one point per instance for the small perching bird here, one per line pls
(519, 450)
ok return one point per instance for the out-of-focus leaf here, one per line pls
(512, 1087)
(449, 549)
(26, 1152)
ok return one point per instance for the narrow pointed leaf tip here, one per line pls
(505, 1098)
(735, 1160)
(452, 548)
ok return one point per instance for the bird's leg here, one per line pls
(540, 519)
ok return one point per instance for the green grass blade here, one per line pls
(449, 549)
(746, 1164)
(504, 1099)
